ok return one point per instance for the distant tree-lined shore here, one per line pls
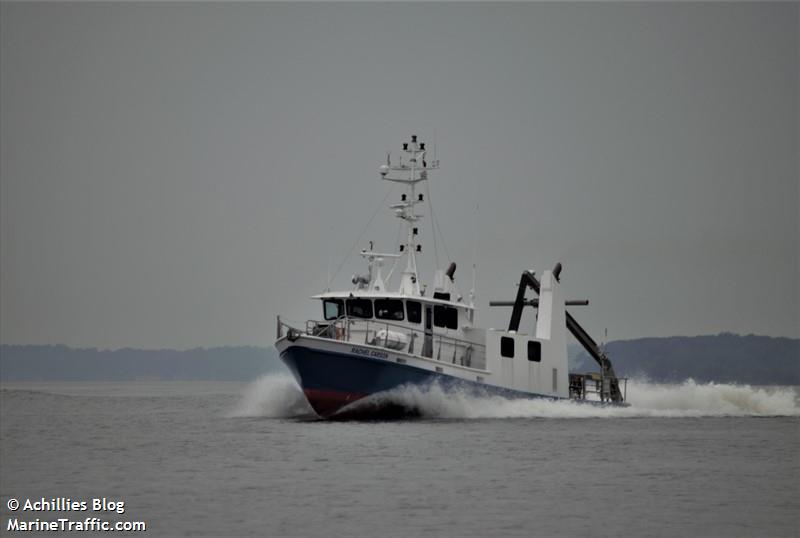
(725, 357)
(62, 363)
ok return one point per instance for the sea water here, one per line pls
(220, 459)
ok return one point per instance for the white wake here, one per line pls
(688, 399)
(273, 396)
(278, 396)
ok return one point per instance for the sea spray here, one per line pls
(273, 396)
(712, 399)
(689, 399)
(278, 396)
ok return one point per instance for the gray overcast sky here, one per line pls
(175, 175)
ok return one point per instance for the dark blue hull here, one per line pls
(332, 381)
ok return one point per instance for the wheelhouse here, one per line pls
(422, 326)
(407, 310)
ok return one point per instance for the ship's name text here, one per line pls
(369, 352)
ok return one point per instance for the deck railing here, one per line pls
(419, 342)
(595, 386)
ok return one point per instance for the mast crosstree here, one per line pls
(412, 168)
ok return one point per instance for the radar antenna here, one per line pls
(410, 172)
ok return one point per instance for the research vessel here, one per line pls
(374, 337)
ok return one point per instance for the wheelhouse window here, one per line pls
(534, 351)
(414, 311)
(445, 316)
(333, 308)
(391, 309)
(507, 347)
(359, 308)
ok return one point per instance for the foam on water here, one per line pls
(711, 399)
(273, 396)
(688, 399)
(279, 396)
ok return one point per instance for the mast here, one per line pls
(409, 171)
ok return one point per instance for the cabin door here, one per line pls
(427, 346)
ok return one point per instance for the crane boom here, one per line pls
(528, 280)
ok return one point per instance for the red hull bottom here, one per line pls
(328, 402)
